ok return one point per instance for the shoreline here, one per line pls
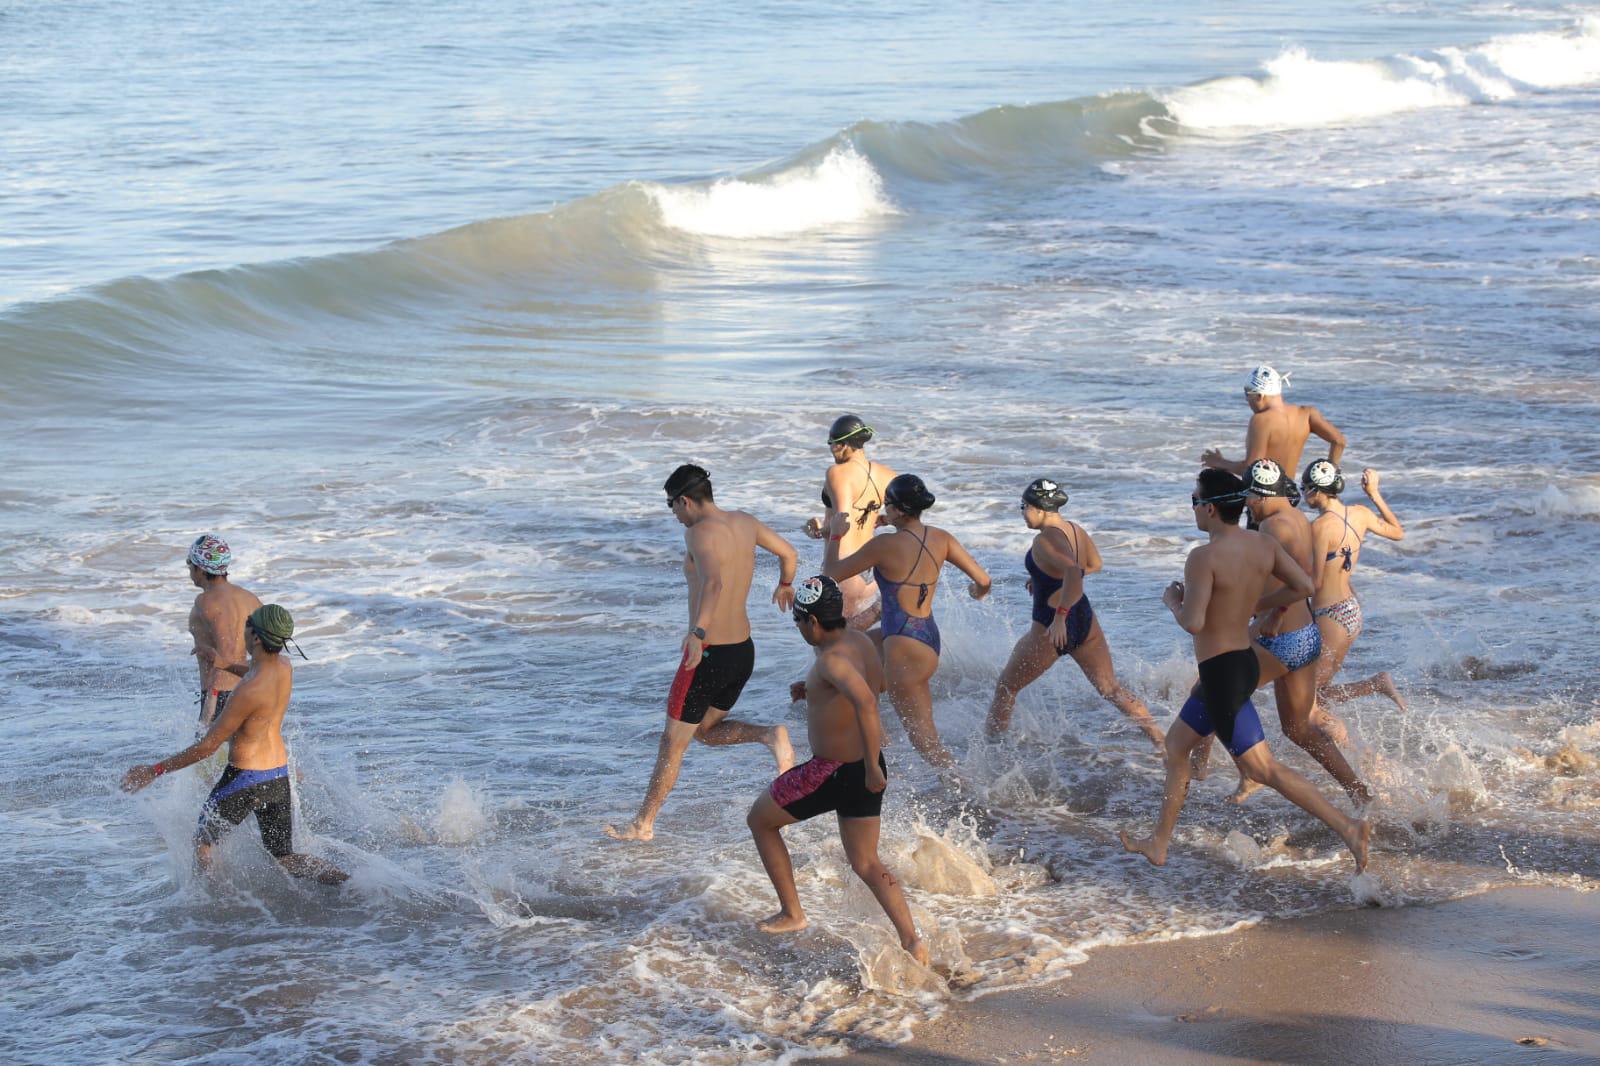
(1490, 977)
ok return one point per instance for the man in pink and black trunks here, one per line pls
(718, 654)
(846, 773)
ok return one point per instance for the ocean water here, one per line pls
(417, 305)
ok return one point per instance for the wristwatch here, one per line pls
(699, 632)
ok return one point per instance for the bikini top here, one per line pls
(869, 508)
(924, 586)
(1342, 549)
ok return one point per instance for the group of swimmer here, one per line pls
(1271, 602)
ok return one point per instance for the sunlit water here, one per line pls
(418, 307)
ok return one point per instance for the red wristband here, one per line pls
(839, 537)
(1063, 610)
(159, 769)
(785, 584)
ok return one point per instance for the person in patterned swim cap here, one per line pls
(216, 622)
(846, 773)
(256, 779)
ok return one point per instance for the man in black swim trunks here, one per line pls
(257, 778)
(1223, 586)
(846, 773)
(718, 654)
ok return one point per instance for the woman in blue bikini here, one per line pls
(1337, 535)
(915, 554)
(1061, 556)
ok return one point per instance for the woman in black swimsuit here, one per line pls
(1062, 555)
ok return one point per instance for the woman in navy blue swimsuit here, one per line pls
(1063, 620)
(914, 554)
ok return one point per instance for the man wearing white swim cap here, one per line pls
(1277, 430)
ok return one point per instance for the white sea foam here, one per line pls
(1298, 90)
(841, 188)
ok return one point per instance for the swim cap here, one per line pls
(1265, 381)
(210, 553)
(849, 429)
(820, 598)
(272, 624)
(1267, 479)
(909, 494)
(1323, 476)
(1044, 494)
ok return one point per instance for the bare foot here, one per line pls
(1153, 731)
(316, 869)
(797, 691)
(1386, 686)
(632, 831)
(1246, 789)
(918, 950)
(1359, 794)
(1358, 846)
(1145, 846)
(782, 750)
(783, 922)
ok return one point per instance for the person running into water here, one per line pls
(1277, 430)
(1061, 556)
(853, 485)
(718, 654)
(846, 773)
(1288, 643)
(1225, 582)
(216, 622)
(256, 780)
(910, 635)
(1338, 532)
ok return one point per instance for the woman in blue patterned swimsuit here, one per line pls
(915, 553)
(1063, 623)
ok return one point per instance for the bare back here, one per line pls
(856, 488)
(832, 727)
(1291, 529)
(217, 621)
(1235, 568)
(912, 563)
(723, 544)
(255, 715)
(1279, 434)
(1337, 549)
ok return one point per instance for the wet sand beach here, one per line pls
(1497, 977)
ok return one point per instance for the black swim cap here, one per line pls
(907, 493)
(849, 429)
(1045, 495)
(1323, 476)
(819, 597)
(1266, 478)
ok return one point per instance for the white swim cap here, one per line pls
(1265, 381)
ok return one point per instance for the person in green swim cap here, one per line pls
(256, 780)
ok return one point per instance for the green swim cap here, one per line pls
(272, 624)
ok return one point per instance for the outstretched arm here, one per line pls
(240, 707)
(1328, 432)
(1386, 524)
(963, 560)
(788, 560)
(859, 561)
